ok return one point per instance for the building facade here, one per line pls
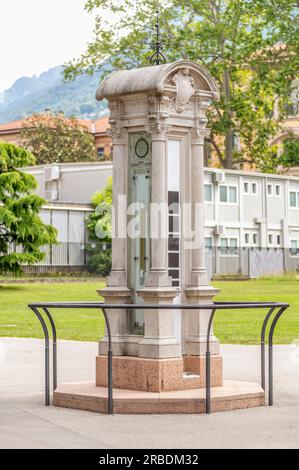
(251, 219)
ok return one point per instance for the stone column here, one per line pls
(199, 291)
(118, 275)
(158, 276)
(159, 341)
(198, 271)
(117, 290)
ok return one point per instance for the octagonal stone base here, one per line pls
(233, 395)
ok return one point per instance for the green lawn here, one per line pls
(242, 327)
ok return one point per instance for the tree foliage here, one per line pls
(55, 138)
(22, 232)
(99, 223)
(99, 227)
(290, 153)
(250, 47)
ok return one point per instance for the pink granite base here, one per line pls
(158, 375)
(233, 395)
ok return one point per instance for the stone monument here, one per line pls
(158, 127)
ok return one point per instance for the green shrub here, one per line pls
(99, 261)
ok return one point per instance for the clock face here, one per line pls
(141, 148)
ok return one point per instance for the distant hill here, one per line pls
(30, 95)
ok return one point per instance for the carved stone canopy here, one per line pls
(182, 78)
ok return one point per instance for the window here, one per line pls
(277, 190)
(278, 240)
(208, 243)
(270, 189)
(294, 199)
(101, 152)
(254, 239)
(228, 194)
(246, 238)
(246, 187)
(270, 239)
(294, 247)
(228, 246)
(208, 193)
(254, 188)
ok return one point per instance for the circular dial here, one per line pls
(141, 148)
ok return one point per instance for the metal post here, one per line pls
(54, 347)
(208, 364)
(271, 333)
(263, 332)
(47, 356)
(110, 364)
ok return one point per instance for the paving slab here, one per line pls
(26, 423)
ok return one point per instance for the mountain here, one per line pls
(30, 95)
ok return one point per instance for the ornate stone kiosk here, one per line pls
(158, 126)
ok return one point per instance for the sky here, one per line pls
(38, 34)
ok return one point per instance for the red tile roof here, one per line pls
(94, 127)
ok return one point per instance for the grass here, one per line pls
(17, 320)
(241, 327)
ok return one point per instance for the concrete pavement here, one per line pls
(26, 423)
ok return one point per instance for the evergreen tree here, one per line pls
(22, 232)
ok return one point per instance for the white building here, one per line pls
(251, 219)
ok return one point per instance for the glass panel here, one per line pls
(232, 194)
(223, 194)
(60, 221)
(233, 248)
(223, 246)
(208, 243)
(76, 226)
(292, 199)
(254, 188)
(246, 188)
(173, 165)
(208, 192)
(294, 245)
(173, 260)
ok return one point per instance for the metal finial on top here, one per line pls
(157, 57)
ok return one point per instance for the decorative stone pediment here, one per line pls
(179, 80)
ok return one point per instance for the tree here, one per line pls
(99, 225)
(290, 153)
(22, 232)
(54, 138)
(250, 47)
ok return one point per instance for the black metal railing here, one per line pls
(277, 307)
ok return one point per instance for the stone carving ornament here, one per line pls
(184, 89)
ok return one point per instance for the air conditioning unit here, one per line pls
(51, 195)
(219, 177)
(52, 173)
(219, 230)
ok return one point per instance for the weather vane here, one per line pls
(157, 57)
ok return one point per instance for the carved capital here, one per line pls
(157, 125)
(117, 133)
(200, 132)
